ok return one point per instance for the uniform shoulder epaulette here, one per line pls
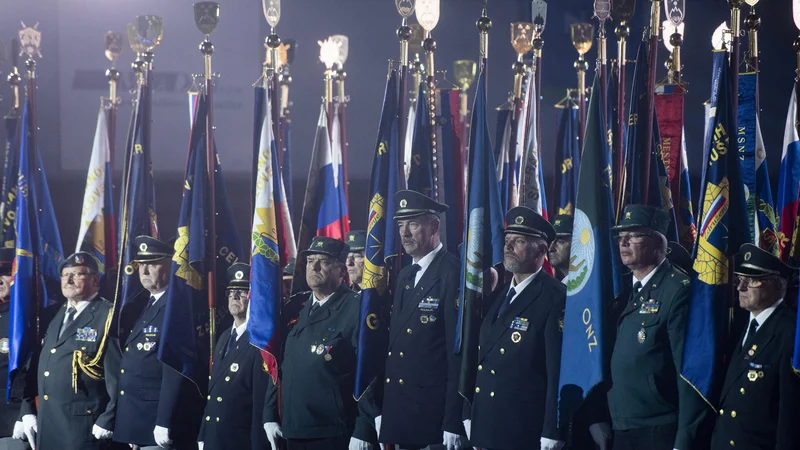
(679, 276)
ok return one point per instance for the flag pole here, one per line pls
(753, 23)
(602, 11)
(30, 65)
(522, 42)
(428, 16)
(484, 24)
(655, 23)
(735, 54)
(113, 48)
(581, 34)
(404, 35)
(622, 31)
(14, 80)
(211, 11)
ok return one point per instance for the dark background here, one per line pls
(371, 26)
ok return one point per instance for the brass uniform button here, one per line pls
(227, 378)
(390, 353)
(400, 381)
(46, 397)
(733, 413)
(480, 367)
(217, 419)
(401, 354)
(477, 390)
(491, 394)
(208, 418)
(219, 399)
(52, 350)
(88, 411)
(502, 351)
(121, 370)
(742, 391)
(208, 398)
(733, 444)
(46, 373)
(121, 392)
(721, 412)
(408, 331)
(493, 372)
(388, 380)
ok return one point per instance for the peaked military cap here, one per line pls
(7, 259)
(679, 257)
(77, 260)
(150, 249)
(357, 240)
(328, 246)
(643, 216)
(523, 220)
(239, 276)
(563, 225)
(412, 204)
(751, 261)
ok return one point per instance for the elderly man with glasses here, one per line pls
(760, 400)
(651, 407)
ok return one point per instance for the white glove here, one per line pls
(601, 434)
(358, 444)
(273, 431)
(550, 444)
(19, 431)
(378, 427)
(29, 428)
(101, 433)
(200, 445)
(451, 441)
(468, 427)
(161, 436)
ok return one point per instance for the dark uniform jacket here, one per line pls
(519, 361)
(65, 417)
(760, 402)
(421, 379)
(646, 388)
(317, 372)
(150, 394)
(234, 415)
(9, 411)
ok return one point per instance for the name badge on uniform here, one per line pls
(520, 323)
(429, 304)
(650, 307)
(150, 331)
(86, 334)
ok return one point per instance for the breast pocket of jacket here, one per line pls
(430, 310)
(87, 339)
(332, 348)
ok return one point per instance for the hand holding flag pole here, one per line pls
(206, 18)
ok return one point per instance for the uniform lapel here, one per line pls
(411, 303)
(83, 319)
(220, 361)
(322, 313)
(740, 362)
(635, 301)
(147, 317)
(503, 322)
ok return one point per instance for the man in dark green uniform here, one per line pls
(760, 401)
(357, 241)
(651, 406)
(74, 410)
(558, 254)
(318, 362)
(679, 257)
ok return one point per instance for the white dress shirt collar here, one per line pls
(518, 288)
(649, 276)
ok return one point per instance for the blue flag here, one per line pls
(137, 211)
(382, 245)
(723, 228)
(483, 240)
(568, 160)
(594, 269)
(185, 336)
(35, 277)
(420, 177)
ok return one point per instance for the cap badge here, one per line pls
(239, 275)
(352, 238)
(142, 247)
(747, 256)
(628, 215)
(403, 203)
(519, 220)
(558, 222)
(319, 244)
(78, 259)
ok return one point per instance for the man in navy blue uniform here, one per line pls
(760, 400)
(515, 406)
(421, 405)
(233, 419)
(156, 406)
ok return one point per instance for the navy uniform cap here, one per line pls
(412, 204)
(79, 259)
(357, 240)
(523, 220)
(679, 257)
(563, 225)
(150, 249)
(239, 276)
(328, 246)
(751, 261)
(7, 259)
(643, 216)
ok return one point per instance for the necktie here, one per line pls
(412, 274)
(70, 318)
(149, 304)
(314, 307)
(751, 335)
(231, 342)
(636, 287)
(506, 301)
